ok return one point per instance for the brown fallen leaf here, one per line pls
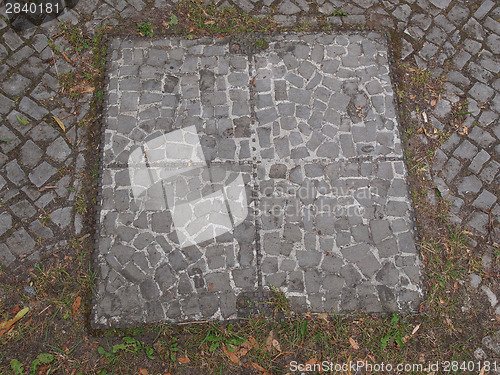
(269, 342)
(67, 58)
(88, 89)
(424, 116)
(413, 96)
(252, 341)
(243, 349)
(313, 361)
(323, 316)
(83, 237)
(434, 102)
(276, 344)
(60, 123)
(210, 286)
(184, 359)
(76, 305)
(6, 325)
(232, 357)
(407, 337)
(143, 371)
(260, 368)
(353, 343)
(415, 329)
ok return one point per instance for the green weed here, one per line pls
(279, 300)
(339, 13)
(42, 359)
(145, 29)
(75, 36)
(81, 203)
(395, 332)
(217, 336)
(261, 44)
(23, 121)
(129, 345)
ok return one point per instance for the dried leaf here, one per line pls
(323, 316)
(210, 286)
(243, 349)
(5, 325)
(413, 96)
(312, 361)
(253, 341)
(67, 58)
(143, 371)
(83, 237)
(88, 89)
(424, 116)
(482, 371)
(76, 305)
(276, 344)
(353, 343)
(260, 368)
(232, 357)
(209, 22)
(434, 102)
(463, 130)
(415, 329)
(60, 123)
(184, 359)
(269, 342)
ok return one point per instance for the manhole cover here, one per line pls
(226, 174)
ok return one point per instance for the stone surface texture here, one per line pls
(314, 135)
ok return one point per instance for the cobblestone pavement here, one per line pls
(463, 35)
(333, 225)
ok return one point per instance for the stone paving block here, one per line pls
(16, 85)
(5, 222)
(481, 137)
(485, 200)
(465, 151)
(481, 92)
(14, 173)
(20, 243)
(469, 185)
(58, 150)
(478, 161)
(30, 154)
(490, 171)
(479, 222)
(12, 40)
(42, 174)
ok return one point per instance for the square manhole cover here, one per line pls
(225, 175)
